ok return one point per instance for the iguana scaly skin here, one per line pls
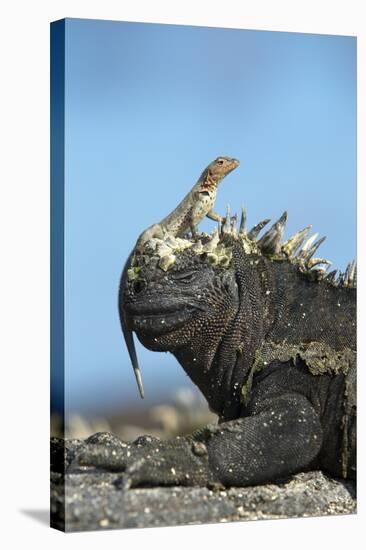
(267, 335)
(195, 206)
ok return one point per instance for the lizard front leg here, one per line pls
(215, 217)
(199, 211)
(194, 230)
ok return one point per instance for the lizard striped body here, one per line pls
(197, 204)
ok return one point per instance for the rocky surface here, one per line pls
(95, 500)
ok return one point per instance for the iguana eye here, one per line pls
(220, 161)
(185, 277)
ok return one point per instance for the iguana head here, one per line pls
(168, 308)
(183, 306)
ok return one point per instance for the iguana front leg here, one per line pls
(282, 436)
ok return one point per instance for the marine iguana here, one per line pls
(267, 335)
(195, 206)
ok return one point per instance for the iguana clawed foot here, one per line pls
(147, 461)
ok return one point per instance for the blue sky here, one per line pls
(147, 108)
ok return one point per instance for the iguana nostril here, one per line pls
(139, 286)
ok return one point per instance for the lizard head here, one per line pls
(220, 167)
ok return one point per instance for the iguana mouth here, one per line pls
(160, 322)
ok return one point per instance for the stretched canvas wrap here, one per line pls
(203, 341)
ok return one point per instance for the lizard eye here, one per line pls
(220, 161)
